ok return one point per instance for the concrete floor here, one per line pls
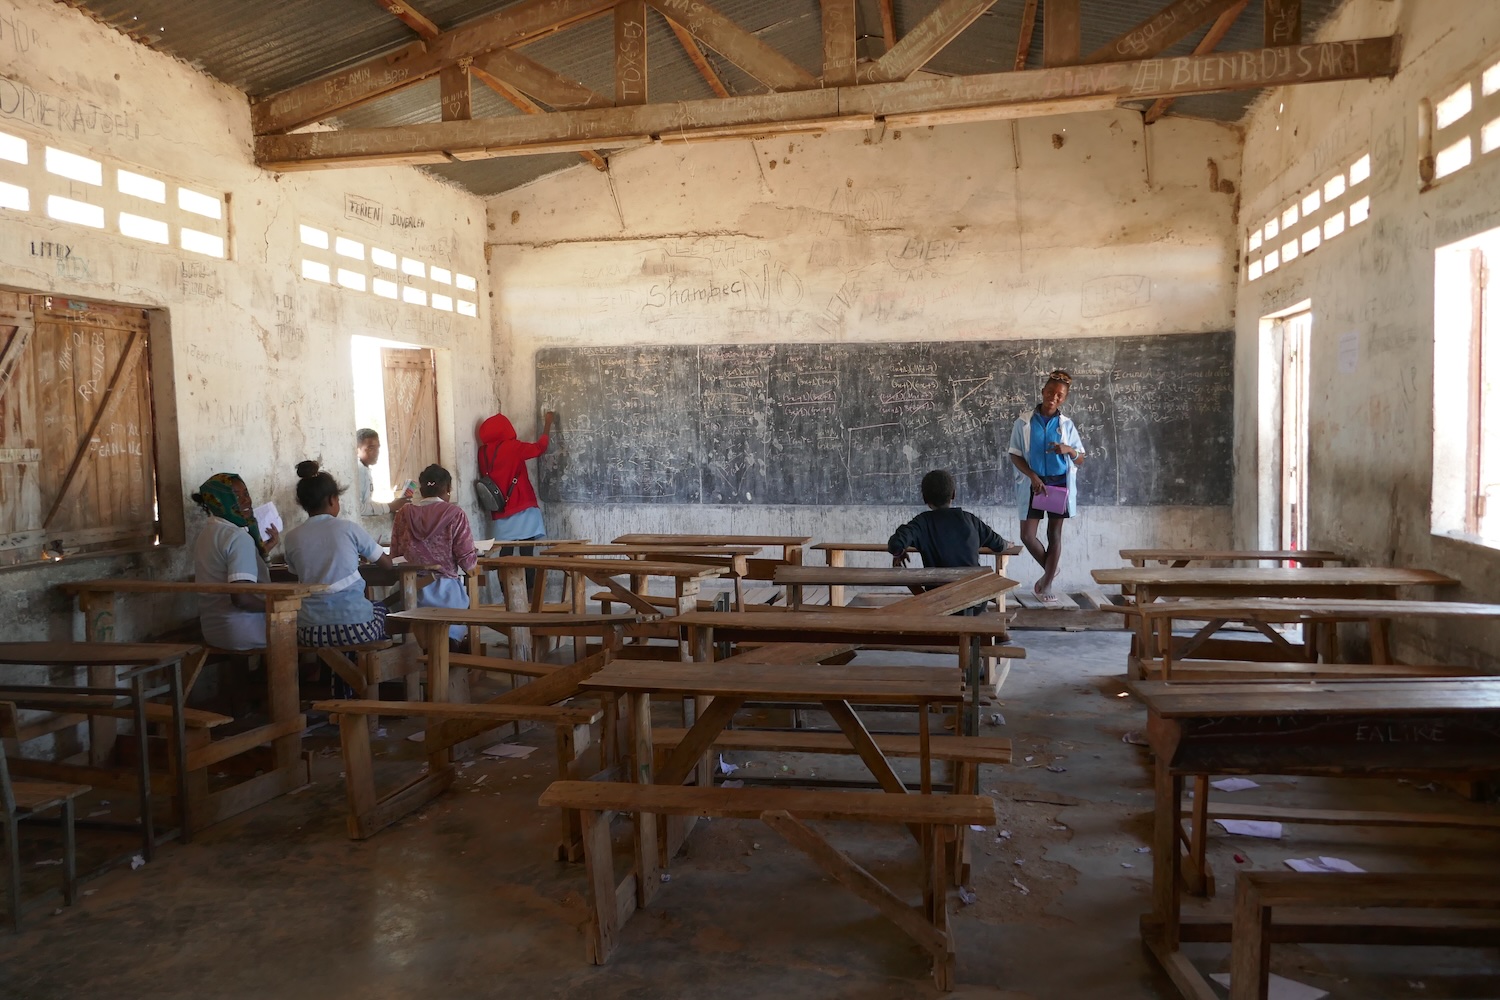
(463, 899)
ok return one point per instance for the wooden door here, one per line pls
(411, 411)
(20, 456)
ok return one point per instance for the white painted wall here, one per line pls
(950, 233)
(262, 356)
(1371, 428)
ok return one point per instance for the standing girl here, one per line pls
(1046, 448)
(434, 531)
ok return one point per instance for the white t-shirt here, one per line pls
(225, 553)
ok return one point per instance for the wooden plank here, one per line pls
(925, 41)
(530, 107)
(1161, 30)
(397, 804)
(499, 618)
(880, 576)
(888, 23)
(736, 44)
(139, 585)
(1392, 697)
(840, 46)
(108, 401)
(1368, 890)
(535, 80)
(804, 682)
(1023, 37)
(1351, 817)
(749, 803)
(1061, 33)
(78, 654)
(844, 107)
(631, 81)
(973, 749)
(1283, 22)
(232, 746)
(490, 711)
(898, 619)
(1327, 576)
(1287, 610)
(685, 756)
(411, 18)
(598, 860)
(456, 92)
(1231, 555)
(697, 58)
(409, 64)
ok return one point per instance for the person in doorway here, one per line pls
(327, 549)
(230, 549)
(435, 531)
(367, 449)
(1046, 449)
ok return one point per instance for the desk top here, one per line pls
(846, 623)
(608, 567)
(616, 549)
(1256, 576)
(500, 618)
(805, 682)
(757, 540)
(93, 654)
(1009, 550)
(1232, 555)
(881, 576)
(135, 585)
(1295, 609)
(1410, 696)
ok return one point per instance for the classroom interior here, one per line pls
(769, 261)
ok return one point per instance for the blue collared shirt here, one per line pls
(1045, 432)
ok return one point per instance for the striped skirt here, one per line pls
(358, 634)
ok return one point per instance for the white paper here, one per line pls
(417, 736)
(508, 750)
(1281, 988)
(1251, 828)
(725, 767)
(1328, 865)
(267, 517)
(483, 545)
(1234, 784)
(1349, 352)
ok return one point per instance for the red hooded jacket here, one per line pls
(502, 456)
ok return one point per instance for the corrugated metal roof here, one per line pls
(267, 47)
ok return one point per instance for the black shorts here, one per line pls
(1032, 514)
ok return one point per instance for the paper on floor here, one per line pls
(1281, 988)
(725, 767)
(1251, 828)
(417, 736)
(508, 750)
(1234, 784)
(1322, 865)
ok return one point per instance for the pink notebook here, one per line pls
(1053, 499)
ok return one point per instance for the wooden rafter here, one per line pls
(736, 44)
(997, 95)
(698, 59)
(1209, 42)
(1160, 31)
(328, 95)
(1028, 28)
(526, 104)
(537, 81)
(1283, 22)
(924, 41)
(411, 18)
(1061, 33)
(888, 23)
(456, 92)
(840, 48)
(630, 52)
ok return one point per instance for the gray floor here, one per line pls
(462, 900)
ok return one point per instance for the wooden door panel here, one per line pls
(411, 413)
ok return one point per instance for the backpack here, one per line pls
(492, 499)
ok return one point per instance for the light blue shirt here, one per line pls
(326, 549)
(1020, 444)
(225, 553)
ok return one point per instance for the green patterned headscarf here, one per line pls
(225, 495)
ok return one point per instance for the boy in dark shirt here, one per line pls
(944, 535)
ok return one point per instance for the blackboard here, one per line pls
(859, 424)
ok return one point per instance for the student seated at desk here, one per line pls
(327, 549)
(229, 549)
(435, 532)
(944, 535)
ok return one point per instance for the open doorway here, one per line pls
(1286, 341)
(396, 395)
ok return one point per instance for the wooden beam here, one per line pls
(1209, 42)
(1283, 22)
(630, 52)
(888, 23)
(695, 54)
(925, 40)
(1160, 31)
(841, 107)
(840, 53)
(1028, 28)
(526, 104)
(456, 94)
(411, 18)
(1061, 33)
(537, 81)
(328, 95)
(736, 44)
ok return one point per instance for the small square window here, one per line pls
(1453, 159)
(352, 279)
(441, 275)
(1333, 226)
(1359, 170)
(385, 288)
(80, 212)
(1359, 211)
(313, 237)
(346, 247)
(1312, 202)
(141, 228)
(415, 296)
(74, 167)
(1453, 107)
(14, 196)
(1491, 81)
(415, 268)
(12, 148)
(1255, 241)
(141, 186)
(1273, 261)
(1312, 239)
(1334, 188)
(465, 282)
(468, 308)
(199, 203)
(1489, 137)
(198, 241)
(442, 302)
(1289, 250)
(1254, 270)
(316, 271)
(383, 258)
(1289, 217)
(1272, 230)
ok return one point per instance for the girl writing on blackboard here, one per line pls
(1046, 448)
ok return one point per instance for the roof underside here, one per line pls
(265, 48)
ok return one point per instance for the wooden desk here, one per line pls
(791, 547)
(965, 632)
(835, 554)
(1417, 728)
(97, 602)
(1350, 582)
(794, 578)
(1262, 612)
(733, 559)
(1178, 558)
(110, 665)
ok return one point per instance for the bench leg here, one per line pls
(598, 860)
(1250, 960)
(359, 769)
(70, 854)
(13, 871)
(570, 847)
(1200, 880)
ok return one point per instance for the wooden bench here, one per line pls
(1258, 894)
(23, 799)
(787, 811)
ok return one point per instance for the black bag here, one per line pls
(489, 494)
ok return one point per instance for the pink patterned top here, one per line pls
(435, 532)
